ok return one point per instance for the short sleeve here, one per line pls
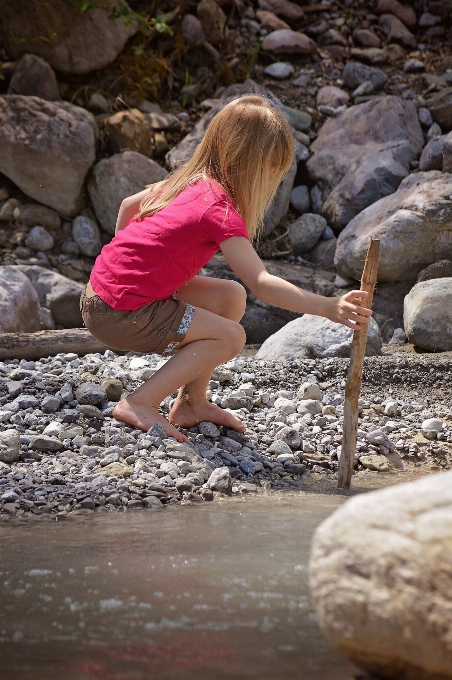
(222, 221)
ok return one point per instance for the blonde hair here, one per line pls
(247, 137)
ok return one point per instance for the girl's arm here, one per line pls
(128, 209)
(245, 262)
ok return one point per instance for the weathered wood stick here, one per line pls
(355, 371)
(48, 343)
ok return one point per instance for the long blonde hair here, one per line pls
(247, 137)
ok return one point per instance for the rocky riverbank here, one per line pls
(62, 453)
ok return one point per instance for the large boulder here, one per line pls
(81, 41)
(381, 580)
(364, 154)
(427, 316)
(313, 337)
(33, 76)
(414, 226)
(19, 306)
(115, 178)
(60, 295)
(183, 151)
(47, 148)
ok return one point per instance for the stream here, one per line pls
(216, 591)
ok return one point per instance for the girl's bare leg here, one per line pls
(209, 341)
(224, 298)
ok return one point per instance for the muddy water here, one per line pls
(210, 592)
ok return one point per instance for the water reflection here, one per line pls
(212, 592)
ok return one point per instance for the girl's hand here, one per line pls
(346, 310)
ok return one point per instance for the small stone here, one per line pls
(90, 393)
(44, 443)
(279, 70)
(279, 447)
(247, 466)
(398, 337)
(222, 374)
(87, 236)
(300, 120)
(366, 38)
(113, 389)
(207, 495)
(391, 408)
(289, 436)
(220, 480)
(379, 438)
(365, 88)
(431, 427)
(88, 503)
(32, 214)
(309, 407)
(286, 41)
(39, 239)
(299, 199)
(303, 80)
(375, 462)
(153, 503)
(209, 430)
(414, 66)
(332, 96)
(97, 103)
(355, 74)
(285, 406)
(50, 404)
(116, 470)
(183, 484)
(310, 391)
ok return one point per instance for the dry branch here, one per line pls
(353, 387)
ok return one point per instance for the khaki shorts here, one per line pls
(155, 328)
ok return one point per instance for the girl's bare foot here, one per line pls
(188, 413)
(143, 417)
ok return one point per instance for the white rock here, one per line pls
(286, 406)
(381, 589)
(391, 408)
(310, 391)
(434, 424)
(9, 446)
(313, 336)
(309, 406)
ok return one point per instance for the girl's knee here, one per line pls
(236, 300)
(236, 337)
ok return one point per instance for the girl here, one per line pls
(144, 294)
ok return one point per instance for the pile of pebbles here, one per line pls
(62, 452)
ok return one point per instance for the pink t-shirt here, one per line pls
(150, 259)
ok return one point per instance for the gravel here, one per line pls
(61, 457)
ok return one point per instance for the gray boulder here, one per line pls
(437, 270)
(86, 234)
(33, 76)
(432, 155)
(39, 239)
(115, 178)
(323, 253)
(381, 585)
(414, 225)
(299, 199)
(9, 446)
(60, 295)
(440, 106)
(427, 315)
(305, 232)
(32, 214)
(316, 337)
(19, 305)
(260, 324)
(286, 41)
(363, 154)
(355, 74)
(54, 141)
(81, 42)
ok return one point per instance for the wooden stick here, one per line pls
(48, 343)
(355, 371)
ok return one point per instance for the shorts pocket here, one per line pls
(146, 315)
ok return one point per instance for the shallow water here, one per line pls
(209, 592)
